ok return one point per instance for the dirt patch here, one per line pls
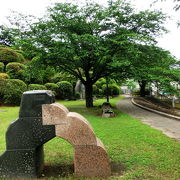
(58, 171)
(157, 104)
(117, 169)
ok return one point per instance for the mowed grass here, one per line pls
(136, 151)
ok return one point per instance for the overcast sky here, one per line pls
(170, 41)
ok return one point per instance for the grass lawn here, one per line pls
(136, 150)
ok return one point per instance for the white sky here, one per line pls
(170, 41)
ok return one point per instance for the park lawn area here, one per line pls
(136, 150)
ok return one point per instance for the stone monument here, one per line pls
(40, 120)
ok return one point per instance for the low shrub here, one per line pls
(1, 67)
(15, 70)
(4, 76)
(113, 90)
(9, 55)
(65, 90)
(11, 91)
(36, 87)
(77, 95)
(53, 87)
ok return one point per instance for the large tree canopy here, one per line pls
(92, 41)
(153, 64)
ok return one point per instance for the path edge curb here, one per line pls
(155, 111)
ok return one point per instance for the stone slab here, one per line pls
(21, 163)
(25, 138)
(77, 130)
(91, 161)
(31, 102)
(54, 114)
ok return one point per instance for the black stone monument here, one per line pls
(25, 137)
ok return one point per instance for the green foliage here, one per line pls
(1, 67)
(11, 91)
(100, 90)
(4, 76)
(153, 64)
(113, 90)
(53, 87)
(9, 55)
(57, 78)
(38, 72)
(65, 90)
(90, 41)
(6, 38)
(36, 87)
(77, 95)
(15, 70)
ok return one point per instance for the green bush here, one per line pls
(97, 91)
(65, 90)
(8, 55)
(11, 91)
(4, 76)
(15, 70)
(77, 95)
(1, 67)
(113, 90)
(37, 72)
(36, 87)
(53, 87)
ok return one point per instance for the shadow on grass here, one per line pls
(66, 170)
(62, 170)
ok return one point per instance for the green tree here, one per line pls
(92, 41)
(6, 38)
(152, 63)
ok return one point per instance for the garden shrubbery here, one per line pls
(8, 55)
(11, 91)
(15, 70)
(100, 88)
(65, 90)
(53, 87)
(36, 87)
(4, 76)
(1, 67)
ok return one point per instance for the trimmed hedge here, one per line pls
(4, 76)
(36, 87)
(1, 67)
(65, 90)
(15, 70)
(9, 55)
(53, 87)
(114, 90)
(11, 91)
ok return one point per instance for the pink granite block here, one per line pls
(77, 130)
(53, 114)
(91, 161)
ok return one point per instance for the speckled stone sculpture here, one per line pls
(25, 138)
(90, 159)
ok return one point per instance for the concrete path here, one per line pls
(168, 126)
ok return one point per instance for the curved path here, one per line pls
(168, 126)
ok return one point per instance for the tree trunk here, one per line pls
(142, 85)
(89, 95)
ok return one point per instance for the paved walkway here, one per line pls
(168, 126)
